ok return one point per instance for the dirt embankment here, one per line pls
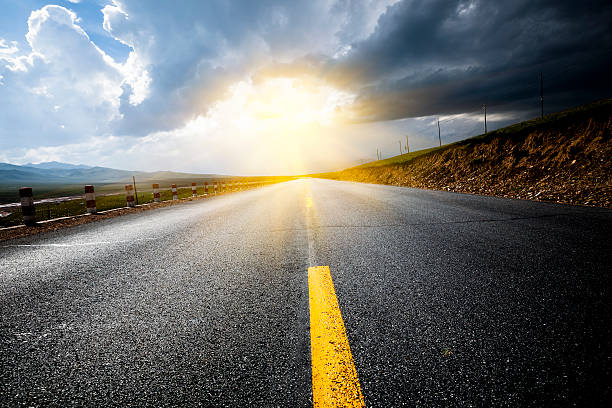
(565, 160)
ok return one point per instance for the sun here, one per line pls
(281, 104)
(295, 102)
(286, 119)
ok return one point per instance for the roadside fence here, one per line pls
(28, 212)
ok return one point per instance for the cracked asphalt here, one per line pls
(447, 299)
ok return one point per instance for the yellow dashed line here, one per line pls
(334, 377)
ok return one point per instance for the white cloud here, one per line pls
(63, 68)
(8, 54)
(70, 101)
(185, 57)
(6, 50)
(137, 77)
(181, 58)
(74, 64)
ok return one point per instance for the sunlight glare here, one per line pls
(284, 118)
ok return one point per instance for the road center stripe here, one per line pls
(334, 377)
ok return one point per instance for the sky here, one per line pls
(283, 87)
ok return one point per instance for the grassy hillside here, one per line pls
(402, 158)
(564, 157)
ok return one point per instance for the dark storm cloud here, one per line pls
(434, 57)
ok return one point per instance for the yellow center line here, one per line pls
(334, 377)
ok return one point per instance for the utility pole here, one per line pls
(400, 143)
(439, 138)
(485, 116)
(541, 96)
(135, 192)
(407, 145)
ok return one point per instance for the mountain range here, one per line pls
(55, 165)
(56, 172)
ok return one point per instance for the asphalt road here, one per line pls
(447, 299)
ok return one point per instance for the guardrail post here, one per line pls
(215, 187)
(129, 195)
(90, 199)
(194, 192)
(206, 188)
(27, 206)
(156, 196)
(174, 192)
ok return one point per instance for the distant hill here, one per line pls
(64, 173)
(57, 165)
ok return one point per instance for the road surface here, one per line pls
(446, 300)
